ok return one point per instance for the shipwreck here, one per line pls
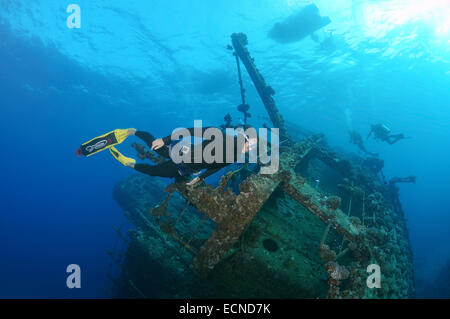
(308, 231)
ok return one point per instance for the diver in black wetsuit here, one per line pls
(170, 169)
(383, 133)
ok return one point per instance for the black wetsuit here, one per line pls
(171, 169)
(383, 133)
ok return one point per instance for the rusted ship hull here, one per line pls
(310, 230)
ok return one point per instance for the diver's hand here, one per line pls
(157, 144)
(194, 181)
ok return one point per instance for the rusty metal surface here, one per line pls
(338, 219)
(239, 41)
(232, 213)
(236, 214)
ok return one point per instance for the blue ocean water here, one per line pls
(157, 65)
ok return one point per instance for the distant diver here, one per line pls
(356, 138)
(165, 147)
(383, 133)
(299, 25)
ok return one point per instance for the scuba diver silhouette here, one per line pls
(355, 138)
(383, 133)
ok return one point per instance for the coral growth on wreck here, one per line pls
(267, 239)
(333, 202)
(276, 242)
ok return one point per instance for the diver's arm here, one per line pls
(191, 130)
(149, 139)
(146, 137)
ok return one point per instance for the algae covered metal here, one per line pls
(310, 230)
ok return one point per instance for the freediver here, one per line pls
(165, 147)
(383, 133)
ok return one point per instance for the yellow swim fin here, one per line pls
(121, 134)
(122, 159)
(103, 142)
